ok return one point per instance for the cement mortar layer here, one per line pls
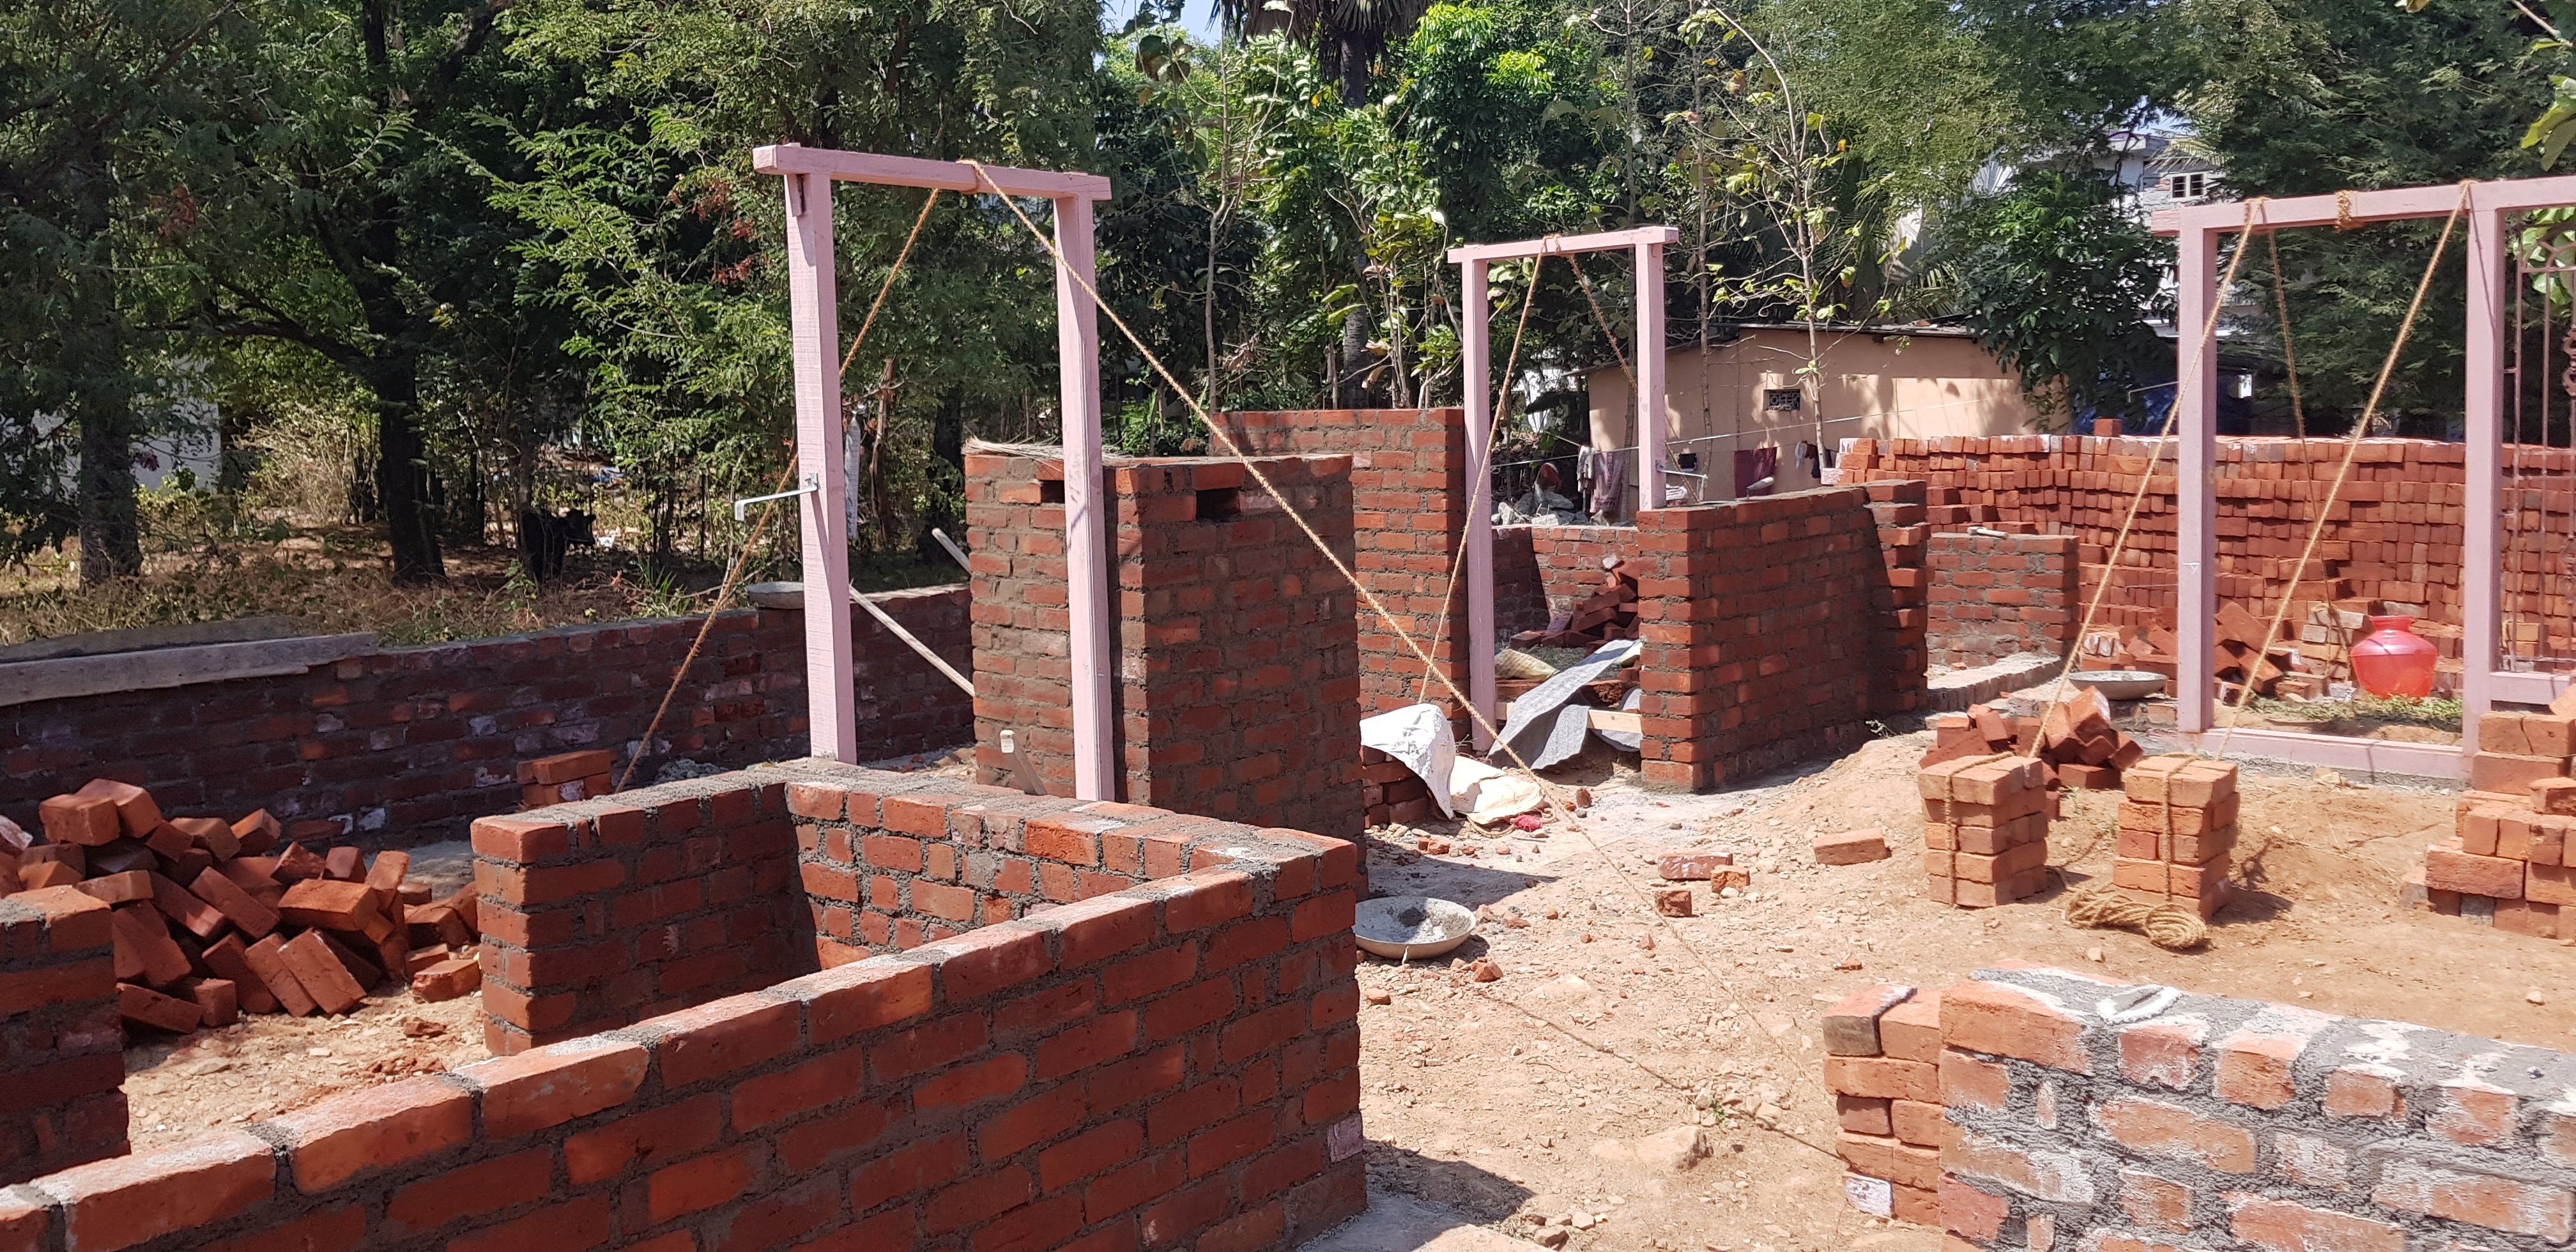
(2284, 1127)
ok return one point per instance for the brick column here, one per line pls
(1239, 654)
(62, 1047)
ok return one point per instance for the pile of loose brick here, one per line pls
(2178, 832)
(212, 919)
(1883, 1064)
(2511, 862)
(565, 778)
(2077, 746)
(1985, 829)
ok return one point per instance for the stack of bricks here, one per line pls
(2093, 1115)
(1408, 483)
(1998, 596)
(1391, 792)
(2394, 543)
(1882, 1062)
(62, 1051)
(1542, 571)
(565, 778)
(2508, 862)
(1985, 830)
(2178, 832)
(1237, 691)
(1775, 629)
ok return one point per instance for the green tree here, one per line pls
(2057, 281)
(101, 120)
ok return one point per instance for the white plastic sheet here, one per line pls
(1420, 737)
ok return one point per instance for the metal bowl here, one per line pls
(2121, 684)
(1406, 928)
(775, 595)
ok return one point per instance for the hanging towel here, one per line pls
(1609, 481)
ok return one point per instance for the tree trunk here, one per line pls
(402, 472)
(111, 543)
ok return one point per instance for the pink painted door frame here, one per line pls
(813, 305)
(1645, 244)
(2197, 229)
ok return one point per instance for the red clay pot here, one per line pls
(2393, 660)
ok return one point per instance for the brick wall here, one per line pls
(1542, 570)
(1992, 596)
(410, 745)
(2082, 1113)
(2395, 537)
(1776, 627)
(1173, 1064)
(1238, 644)
(62, 1048)
(1409, 512)
(597, 914)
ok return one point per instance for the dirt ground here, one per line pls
(1528, 1095)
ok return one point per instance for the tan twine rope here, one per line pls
(1805, 1069)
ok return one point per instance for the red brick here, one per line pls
(862, 996)
(568, 1227)
(2001, 1020)
(1128, 1187)
(379, 1128)
(2162, 1054)
(1102, 927)
(1088, 1153)
(1884, 1079)
(1970, 1213)
(470, 1191)
(2465, 1195)
(1030, 1122)
(2168, 1131)
(550, 1086)
(968, 1084)
(642, 1139)
(1148, 973)
(341, 1229)
(719, 1038)
(129, 1200)
(987, 960)
(2282, 1226)
(927, 1046)
(1206, 898)
(697, 1184)
(2255, 1061)
(906, 1171)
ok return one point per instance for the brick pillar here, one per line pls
(1996, 595)
(62, 1047)
(1239, 654)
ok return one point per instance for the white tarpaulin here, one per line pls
(1420, 737)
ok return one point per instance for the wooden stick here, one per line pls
(886, 620)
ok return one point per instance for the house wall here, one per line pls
(1776, 628)
(1993, 596)
(1173, 1064)
(410, 745)
(1873, 385)
(1409, 513)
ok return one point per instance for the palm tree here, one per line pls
(1350, 37)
